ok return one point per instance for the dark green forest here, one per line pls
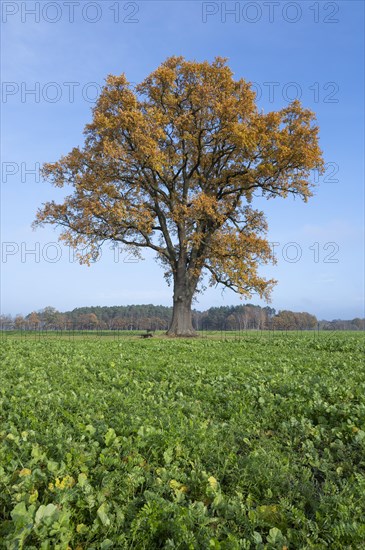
(153, 318)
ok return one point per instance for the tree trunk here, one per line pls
(182, 324)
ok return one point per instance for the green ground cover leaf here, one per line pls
(230, 443)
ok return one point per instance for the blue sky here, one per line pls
(309, 50)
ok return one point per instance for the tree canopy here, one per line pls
(173, 164)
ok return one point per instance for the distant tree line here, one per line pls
(151, 317)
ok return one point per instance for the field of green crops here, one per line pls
(257, 442)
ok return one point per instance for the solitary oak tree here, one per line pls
(172, 164)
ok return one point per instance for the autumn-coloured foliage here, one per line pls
(33, 320)
(173, 165)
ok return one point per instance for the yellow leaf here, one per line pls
(213, 482)
(33, 497)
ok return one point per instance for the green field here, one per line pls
(213, 443)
